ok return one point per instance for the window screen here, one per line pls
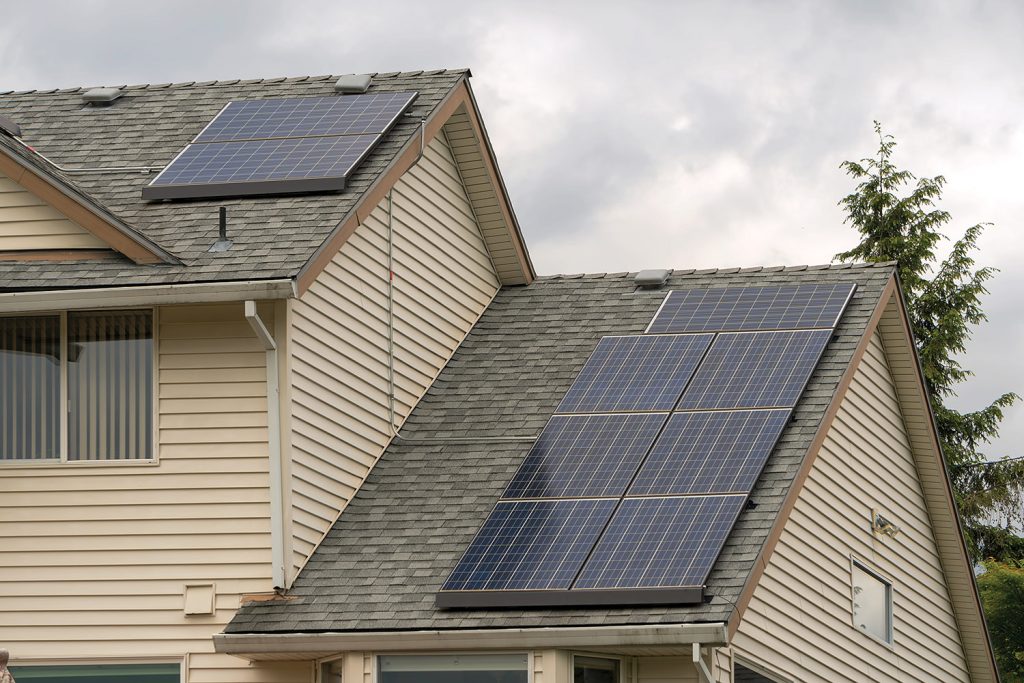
(872, 603)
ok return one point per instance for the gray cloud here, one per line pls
(644, 134)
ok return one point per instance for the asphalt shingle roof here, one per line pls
(391, 549)
(273, 236)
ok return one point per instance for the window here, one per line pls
(99, 364)
(98, 673)
(594, 670)
(872, 603)
(503, 668)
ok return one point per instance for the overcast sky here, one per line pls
(643, 135)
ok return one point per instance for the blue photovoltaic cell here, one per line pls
(710, 452)
(661, 542)
(635, 373)
(263, 160)
(755, 370)
(299, 117)
(585, 455)
(732, 309)
(531, 545)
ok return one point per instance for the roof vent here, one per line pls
(651, 278)
(352, 84)
(101, 95)
(10, 127)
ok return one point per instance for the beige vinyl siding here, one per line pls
(799, 620)
(339, 335)
(27, 223)
(95, 556)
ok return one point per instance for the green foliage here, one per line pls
(1002, 594)
(896, 215)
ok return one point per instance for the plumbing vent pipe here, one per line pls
(222, 243)
(352, 84)
(651, 278)
(101, 95)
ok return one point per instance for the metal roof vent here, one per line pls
(352, 84)
(10, 127)
(651, 278)
(101, 95)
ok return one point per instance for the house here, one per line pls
(290, 424)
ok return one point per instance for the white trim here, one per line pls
(254, 646)
(145, 295)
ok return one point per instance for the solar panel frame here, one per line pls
(521, 545)
(732, 376)
(635, 373)
(665, 542)
(710, 452)
(739, 309)
(585, 455)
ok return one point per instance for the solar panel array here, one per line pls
(629, 493)
(280, 145)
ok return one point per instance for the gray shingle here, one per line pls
(383, 561)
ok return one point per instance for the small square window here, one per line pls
(872, 603)
(595, 670)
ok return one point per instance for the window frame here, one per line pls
(108, 661)
(890, 600)
(447, 653)
(596, 655)
(62, 460)
(757, 668)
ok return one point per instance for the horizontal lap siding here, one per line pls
(799, 621)
(27, 223)
(95, 558)
(339, 335)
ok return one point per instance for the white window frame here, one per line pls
(598, 655)
(62, 460)
(758, 668)
(377, 655)
(890, 600)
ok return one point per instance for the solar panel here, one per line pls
(755, 370)
(733, 309)
(635, 373)
(661, 542)
(585, 455)
(531, 545)
(280, 146)
(710, 452)
(300, 117)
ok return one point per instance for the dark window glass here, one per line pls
(453, 669)
(99, 673)
(30, 387)
(110, 385)
(595, 670)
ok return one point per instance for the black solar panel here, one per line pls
(635, 373)
(300, 117)
(280, 146)
(531, 545)
(710, 452)
(661, 542)
(755, 370)
(585, 455)
(733, 309)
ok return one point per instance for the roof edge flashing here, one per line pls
(101, 96)
(652, 278)
(352, 84)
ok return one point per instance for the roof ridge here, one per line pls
(725, 271)
(234, 81)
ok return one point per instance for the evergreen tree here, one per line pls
(897, 218)
(1002, 594)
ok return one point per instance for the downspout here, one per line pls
(702, 669)
(274, 446)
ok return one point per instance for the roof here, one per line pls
(273, 236)
(380, 566)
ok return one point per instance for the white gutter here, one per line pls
(277, 530)
(299, 646)
(146, 295)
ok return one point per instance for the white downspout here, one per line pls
(274, 446)
(702, 669)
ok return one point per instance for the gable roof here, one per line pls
(382, 563)
(274, 237)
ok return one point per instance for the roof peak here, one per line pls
(722, 271)
(235, 81)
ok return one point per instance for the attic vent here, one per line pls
(9, 127)
(651, 278)
(352, 84)
(101, 95)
